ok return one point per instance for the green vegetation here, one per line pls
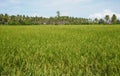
(60, 50)
(6, 19)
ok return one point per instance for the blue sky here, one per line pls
(47, 8)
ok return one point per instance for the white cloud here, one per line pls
(63, 3)
(2, 4)
(105, 12)
(8, 2)
(65, 13)
(35, 14)
(64, 6)
(14, 1)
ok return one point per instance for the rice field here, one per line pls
(60, 50)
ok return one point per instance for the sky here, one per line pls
(74, 8)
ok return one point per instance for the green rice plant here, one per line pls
(60, 50)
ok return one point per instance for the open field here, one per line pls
(60, 50)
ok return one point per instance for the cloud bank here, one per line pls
(104, 13)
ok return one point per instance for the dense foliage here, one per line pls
(60, 50)
(5, 19)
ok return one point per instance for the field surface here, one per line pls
(60, 50)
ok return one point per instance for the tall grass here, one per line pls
(60, 50)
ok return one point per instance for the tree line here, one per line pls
(107, 20)
(6, 19)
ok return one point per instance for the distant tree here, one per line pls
(101, 21)
(12, 20)
(58, 18)
(114, 19)
(58, 13)
(63, 20)
(118, 21)
(96, 20)
(107, 19)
